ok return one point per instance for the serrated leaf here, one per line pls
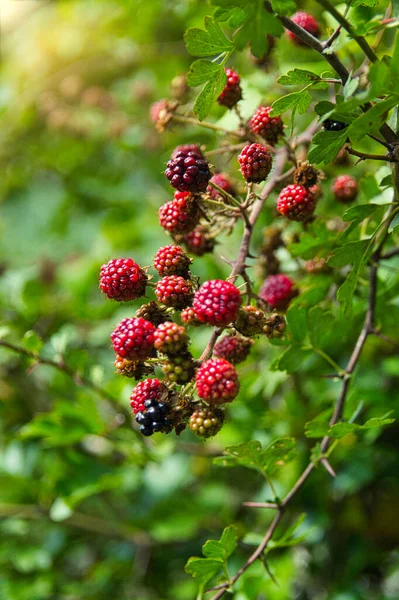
(278, 453)
(359, 213)
(372, 119)
(284, 7)
(208, 94)
(319, 426)
(298, 77)
(202, 71)
(204, 569)
(326, 145)
(210, 42)
(298, 100)
(340, 430)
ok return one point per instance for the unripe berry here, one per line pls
(317, 265)
(233, 348)
(180, 215)
(131, 368)
(171, 338)
(152, 312)
(188, 172)
(261, 123)
(217, 381)
(150, 389)
(308, 23)
(345, 188)
(134, 339)
(250, 321)
(277, 291)
(199, 241)
(179, 369)
(296, 203)
(189, 317)
(207, 421)
(217, 302)
(174, 291)
(232, 92)
(275, 326)
(172, 260)
(122, 279)
(255, 162)
(306, 175)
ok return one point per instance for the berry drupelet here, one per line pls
(296, 203)
(188, 172)
(180, 215)
(232, 92)
(122, 279)
(154, 418)
(274, 326)
(171, 338)
(255, 162)
(269, 128)
(174, 291)
(217, 302)
(172, 260)
(277, 291)
(179, 369)
(250, 321)
(134, 339)
(308, 23)
(207, 422)
(132, 368)
(345, 188)
(189, 317)
(217, 381)
(186, 148)
(233, 348)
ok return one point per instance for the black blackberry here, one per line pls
(154, 418)
(331, 125)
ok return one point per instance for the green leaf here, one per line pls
(211, 42)
(372, 119)
(298, 100)
(284, 7)
(255, 26)
(359, 213)
(290, 360)
(319, 426)
(204, 569)
(326, 145)
(350, 87)
(32, 341)
(202, 71)
(288, 539)
(279, 453)
(341, 429)
(223, 548)
(320, 326)
(317, 240)
(296, 323)
(209, 93)
(356, 3)
(298, 77)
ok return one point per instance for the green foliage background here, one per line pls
(88, 510)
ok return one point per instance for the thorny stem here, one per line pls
(367, 329)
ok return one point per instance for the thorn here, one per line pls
(328, 467)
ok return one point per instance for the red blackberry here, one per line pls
(296, 203)
(250, 320)
(217, 381)
(175, 291)
(186, 148)
(308, 23)
(261, 123)
(223, 181)
(134, 339)
(188, 172)
(199, 241)
(152, 312)
(255, 162)
(217, 302)
(274, 326)
(232, 92)
(172, 260)
(345, 188)
(150, 389)
(171, 338)
(189, 317)
(277, 291)
(122, 279)
(207, 422)
(233, 348)
(157, 109)
(179, 369)
(180, 215)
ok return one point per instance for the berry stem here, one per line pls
(224, 149)
(225, 194)
(206, 125)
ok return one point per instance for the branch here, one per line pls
(367, 329)
(365, 156)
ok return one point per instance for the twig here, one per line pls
(224, 149)
(192, 121)
(365, 156)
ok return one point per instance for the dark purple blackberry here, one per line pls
(188, 172)
(331, 125)
(154, 418)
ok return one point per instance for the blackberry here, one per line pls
(174, 291)
(207, 421)
(179, 369)
(232, 92)
(130, 368)
(332, 125)
(274, 326)
(180, 215)
(255, 162)
(153, 313)
(233, 348)
(188, 172)
(269, 128)
(308, 23)
(122, 279)
(171, 338)
(250, 321)
(199, 241)
(172, 260)
(154, 418)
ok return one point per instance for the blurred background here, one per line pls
(88, 510)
